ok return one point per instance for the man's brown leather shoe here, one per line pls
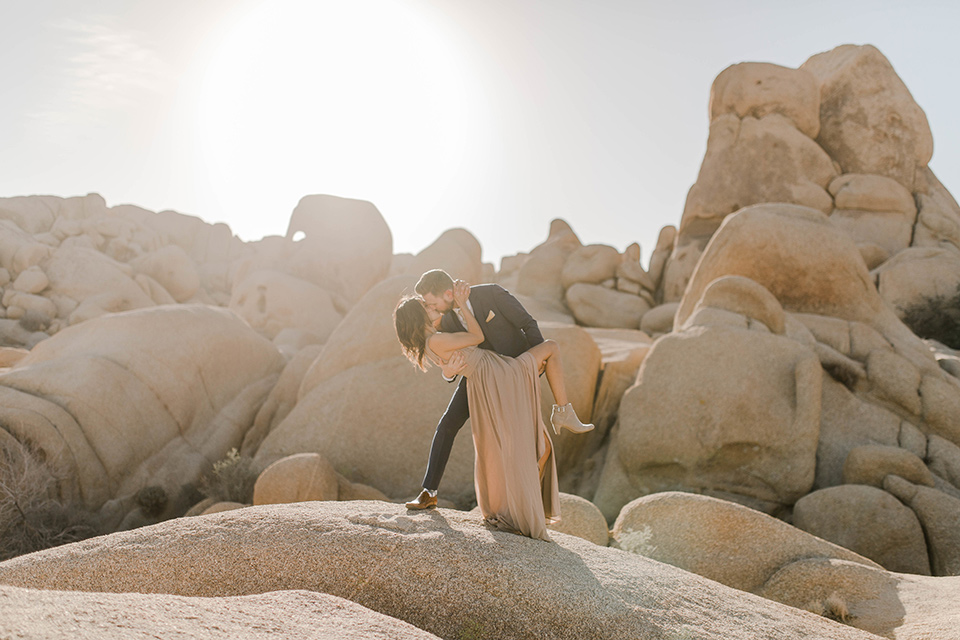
(423, 501)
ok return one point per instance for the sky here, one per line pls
(496, 116)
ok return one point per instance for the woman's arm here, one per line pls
(444, 344)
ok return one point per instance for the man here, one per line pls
(508, 329)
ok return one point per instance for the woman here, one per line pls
(515, 472)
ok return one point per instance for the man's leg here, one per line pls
(453, 419)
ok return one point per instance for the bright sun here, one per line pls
(357, 98)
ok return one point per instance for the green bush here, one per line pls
(231, 479)
(32, 517)
(936, 318)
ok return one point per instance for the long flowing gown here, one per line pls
(515, 473)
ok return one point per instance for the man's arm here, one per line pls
(518, 316)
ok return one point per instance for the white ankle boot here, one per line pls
(565, 417)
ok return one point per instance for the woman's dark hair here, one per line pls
(410, 320)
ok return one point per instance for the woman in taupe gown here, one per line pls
(515, 473)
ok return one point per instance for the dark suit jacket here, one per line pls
(510, 331)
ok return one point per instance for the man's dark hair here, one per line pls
(435, 281)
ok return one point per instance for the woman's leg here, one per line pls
(548, 352)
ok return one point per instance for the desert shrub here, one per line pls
(231, 479)
(936, 318)
(31, 515)
(152, 501)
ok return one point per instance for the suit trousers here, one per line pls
(450, 424)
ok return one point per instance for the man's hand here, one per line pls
(454, 366)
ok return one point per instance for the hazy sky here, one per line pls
(492, 115)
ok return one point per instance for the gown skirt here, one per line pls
(515, 471)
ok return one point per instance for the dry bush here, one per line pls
(937, 318)
(231, 480)
(31, 515)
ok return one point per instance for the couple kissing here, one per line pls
(483, 335)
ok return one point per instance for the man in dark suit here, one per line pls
(507, 329)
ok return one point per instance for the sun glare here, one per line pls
(361, 99)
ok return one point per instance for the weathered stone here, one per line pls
(33, 280)
(658, 258)
(173, 269)
(890, 231)
(274, 616)
(220, 507)
(282, 399)
(864, 340)
(913, 440)
(869, 122)
(10, 356)
(938, 220)
(659, 319)
(870, 464)
(581, 518)
(456, 251)
(889, 605)
(591, 264)
(141, 398)
(370, 552)
(846, 422)
(348, 246)
(833, 332)
(742, 295)
(943, 458)
(539, 276)
(941, 406)
(302, 477)
(915, 274)
(868, 521)
(873, 254)
(748, 425)
(596, 306)
(872, 193)
(271, 301)
(705, 536)
(797, 255)
(757, 89)
(795, 171)
(81, 274)
(939, 515)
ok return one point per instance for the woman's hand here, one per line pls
(461, 293)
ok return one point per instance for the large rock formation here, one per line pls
(137, 399)
(500, 585)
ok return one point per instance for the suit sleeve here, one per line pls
(518, 316)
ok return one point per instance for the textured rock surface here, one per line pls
(347, 246)
(797, 171)
(597, 306)
(500, 585)
(717, 408)
(868, 521)
(939, 514)
(49, 615)
(891, 605)
(727, 542)
(581, 518)
(869, 122)
(757, 89)
(140, 398)
(303, 477)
